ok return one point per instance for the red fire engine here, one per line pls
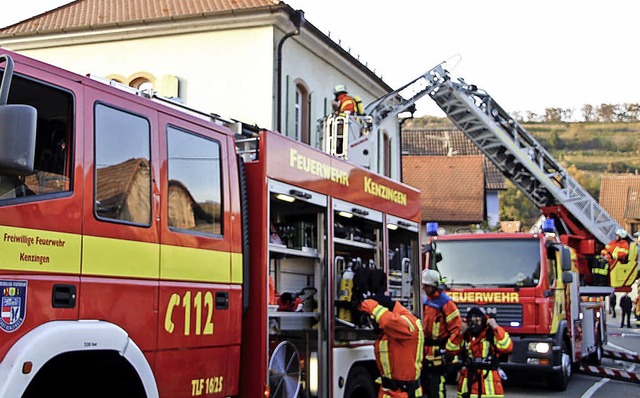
(150, 250)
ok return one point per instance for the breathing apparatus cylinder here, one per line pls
(345, 293)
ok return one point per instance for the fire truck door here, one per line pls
(119, 277)
(199, 306)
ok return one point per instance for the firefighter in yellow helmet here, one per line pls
(441, 324)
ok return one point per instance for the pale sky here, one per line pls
(528, 54)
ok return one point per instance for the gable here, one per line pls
(619, 196)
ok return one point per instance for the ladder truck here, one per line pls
(538, 285)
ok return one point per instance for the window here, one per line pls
(53, 142)
(386, 154)
(123, 172)
(195, 183)
(302, 113)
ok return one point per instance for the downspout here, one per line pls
(297, 19)
(412, 110)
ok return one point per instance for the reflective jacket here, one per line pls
(346, 103)
(616, 251)
(398, 349)
(442, 323)
(478, 378)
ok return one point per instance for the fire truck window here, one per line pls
(490, 262)
(551, 265)
(123, 172)
(195, 185)
(52, 155)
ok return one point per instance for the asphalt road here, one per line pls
(582, 385)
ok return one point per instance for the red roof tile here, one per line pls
(451, 187)
(449, 142)
(91, 14)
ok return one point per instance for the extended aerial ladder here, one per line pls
(517, 153)
(521, 158)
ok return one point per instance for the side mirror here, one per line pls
(566, 259)
(17, 129)
(567, 278)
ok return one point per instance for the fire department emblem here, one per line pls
(14, 304)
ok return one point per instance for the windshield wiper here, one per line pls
(457, 284)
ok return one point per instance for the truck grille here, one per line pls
(505, 314)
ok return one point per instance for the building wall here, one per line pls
(227, 72)
(228, 69)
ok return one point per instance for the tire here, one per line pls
(359, 384)
(558, 381)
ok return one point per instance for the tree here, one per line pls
(588, 113)
(516, 206)
(618, 167)
(606, 113)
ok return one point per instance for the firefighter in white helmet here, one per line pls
(442, 324)
(616, 251)
(343, 102)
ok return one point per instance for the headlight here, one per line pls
(540, 348)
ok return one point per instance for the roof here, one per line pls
(114, 182)
(84, 14)
(449, 142)
(451, 188)
(619, 196)
(93, 15)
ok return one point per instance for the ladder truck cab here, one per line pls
(544, 287)
(529, 283)
(148, 249)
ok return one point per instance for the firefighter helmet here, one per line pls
(621, 233)
(430, 277)
(339, 88)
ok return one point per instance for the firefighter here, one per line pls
(398, 348)
(479, 343)
(442, 323)
(618, 249)
(343, 101)
(613, 253)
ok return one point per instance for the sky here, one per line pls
(527, 54)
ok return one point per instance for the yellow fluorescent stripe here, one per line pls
(383, 350)
(453, 315)
(236, 268)
(118, 257)
(189, 264)
(419, 349)
(24, 249)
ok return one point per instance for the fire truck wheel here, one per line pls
(359, 384)
(559, 381)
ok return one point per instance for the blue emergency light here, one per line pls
(432, 228)
(548, 225)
